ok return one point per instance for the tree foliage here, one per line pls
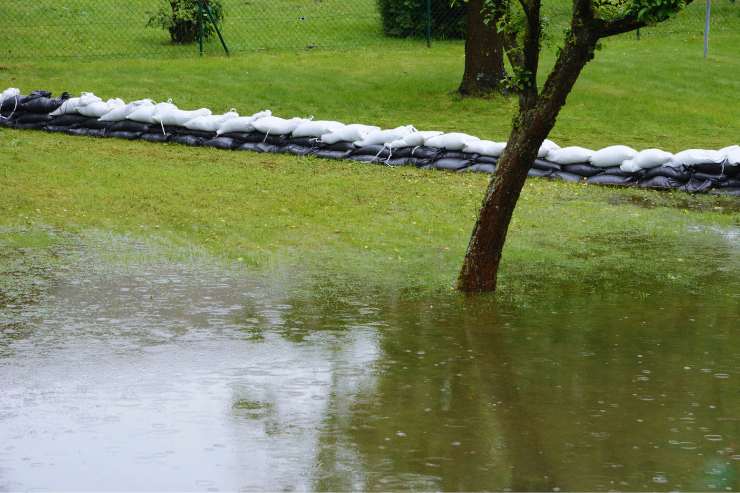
(182, 19)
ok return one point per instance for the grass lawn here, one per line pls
(401, 229)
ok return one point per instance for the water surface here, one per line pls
(134, 371)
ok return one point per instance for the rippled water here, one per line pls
(192, 375)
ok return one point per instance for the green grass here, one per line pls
(391, 228)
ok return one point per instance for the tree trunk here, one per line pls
(536, 118)
(484, 54)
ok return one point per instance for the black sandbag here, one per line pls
(540, 173)
(237, 136)
(38, 93)
(582, 169)
(86, 132)
(451, 164)
(618, 171)
(67, 120)
(31, 121)
(332, 154)
(123, 134)
(372, 150)
(155, 137)
(401, 152)
(41, 105)
(97, 124)
(10, 105)
(730, 183)
(339, 146)
(482, 168)
(132, 126)
(303, 141)
(732, 192)
(716, 179)
(266, 147)
(660, 182)
(732, 171)
(564, 176)
(458, 155)
(175, 130)
(363, 158)
(249, 146)
(486, 159)
(614, 180)
(259, 137)
(425, 152)
(404, 161)
(32, 118)
(188, 140)
(708, 168)
(541, 164)
(222, 143)
(295, 149)
(681, 173)
(696, 185)
(56, 128)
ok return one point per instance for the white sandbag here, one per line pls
(454, 141)
(690, 157)
(570, 155)
(121, 112)
(349, 133)
(242, 123)
(547, 146)
(88, 98)
(146, 113)
(629, 166)
(385, 136)
(67, 107)
(9, 93)
(210, 123)
(725, 151)
(274, 125)
(651, 158)
(176, 116)
(100, 108)
(316, 128)
(418, 138)
(612, 156)
(732, 156)
(485, 148)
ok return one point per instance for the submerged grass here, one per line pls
(348, 225)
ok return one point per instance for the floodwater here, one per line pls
(149, 373)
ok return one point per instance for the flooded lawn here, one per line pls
(133, 370)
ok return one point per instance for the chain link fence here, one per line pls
(88, 28)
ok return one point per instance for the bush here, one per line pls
(182, 19)
(408, 18)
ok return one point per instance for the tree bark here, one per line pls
(537, 115)
(484, 54)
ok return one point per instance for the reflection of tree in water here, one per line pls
(572, 393)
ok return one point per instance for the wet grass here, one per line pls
(352, 226)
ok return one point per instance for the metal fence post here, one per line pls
(706, 28)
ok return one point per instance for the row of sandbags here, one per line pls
(693, 170)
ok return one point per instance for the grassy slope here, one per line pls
(415, 224)
(397, 228)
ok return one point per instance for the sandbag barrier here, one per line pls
(34, 112)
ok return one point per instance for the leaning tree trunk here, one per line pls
(537, 115)
(484, 54)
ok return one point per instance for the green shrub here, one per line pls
(408, 18)
(182, 19)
